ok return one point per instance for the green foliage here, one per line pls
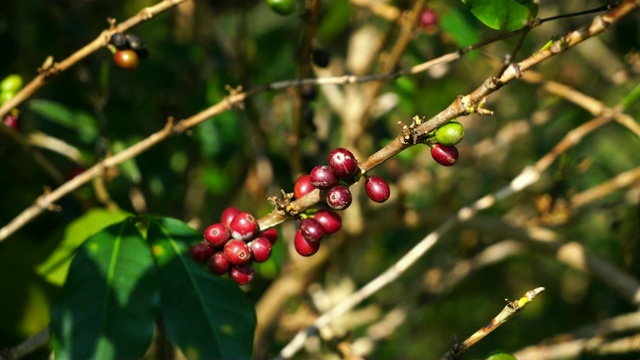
(506, 15)
(499, 355)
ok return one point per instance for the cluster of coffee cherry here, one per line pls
(127, 50)
(9, 87)
(443, 140)
(233, 245)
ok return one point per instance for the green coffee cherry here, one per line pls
(501, 356)
(282, 7)
(11, 84)
(450, 133)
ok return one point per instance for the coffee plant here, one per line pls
(320, 179)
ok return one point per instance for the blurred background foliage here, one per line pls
(199, 50)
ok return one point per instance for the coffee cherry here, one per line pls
(282, 7)
(242, 274)
(303, 246)
(12, 122)
(218, 264)
(217, 235)
(320, 57)
(303, 186)
(330, 220)
(339, 197)
(237, 252)
(322, 177)
(270, 234)
(75, 172)
(450, 133)
(260, 249)
(311, 229)
(228, 214)
(377, 189)
(11, 84)
(343, 163)
(428, 18)
(126, 59)
(244, 226)
(136, 44)
(200, 252)
(444, 155)
(118, 40)
(308, 92)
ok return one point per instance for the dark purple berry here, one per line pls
(244, 226)
(200, 252)
(217, 235)
(241, 274)
(118, 40)
(260, 249)
(330, 220)
(322, 177)
(237, 252)
(444, 155)
(428, 18)
(218, 264)
(270, 234)
(339, 197)
(320, 57)
(343, 163)
(228, 214)
(377, 189)
(311, 229)
(303, 186)
(303, 246)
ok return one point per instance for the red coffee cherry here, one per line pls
(242, 274)
(244, 226)
(343, 163)
(200, 252)
(428, 18)
(303, 246)
(126, 59)
(377, 189)
(444, 155)
(228, 214)
(237, 252)
(260, 249)
(217, 235)
(303, 186)
(330, 220)
(311, 229)
(218, 264)
(339, 197)
(270, 234)
(322, 177)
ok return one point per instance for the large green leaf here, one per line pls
(507, 15)
(207, 317)
(460, 25)
(85, 123)
(108, 304)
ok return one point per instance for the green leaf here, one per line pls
(55, 268)
(501, 356)
(83, 122)
(507, 15)
(108, 305)
(207, 317)
(461, 27)
(129, 167)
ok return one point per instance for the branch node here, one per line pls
(45, 204)
(48, 68)
(283, 206)
(232, 92)
(409, 133)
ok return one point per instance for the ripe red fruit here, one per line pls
(330, 220)
(12, 122)
(244, 226)
(218, 264)
(126, 59)
(428, 18)
(322, 177)
(228, 214)
(303, 246)
(339, 197)
(200, 252)
(444, 155)
(311, 229)
(303, 186)
(377, 189)
(217, 235)
(343, 163)
(237, 252)
(260, 249)
(242, 274)
(270, 234)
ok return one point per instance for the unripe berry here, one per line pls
(303, 246)
(237, 252)
(242, 274)
(311, 229)
(218, 264)
(244, 226)
(444, 155)
(260, 249)
(339, 197)
(303, 186)
(228, 214)
(450, 133)
(377, 189)
(217, 235)
(270, 234)
(330, 220)
(200, 252)
(322, 177)
(282, 7)
(11, 83)
(126, 59)
(343, 163)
